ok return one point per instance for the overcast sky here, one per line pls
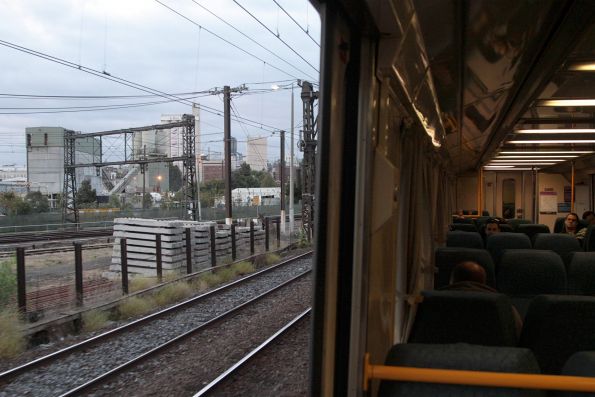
(146, 43)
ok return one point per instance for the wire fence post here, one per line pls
(213, 246)
(124, 265)
(279, 234)
(78, 272)
(251, 237)
(158, 258)
(188, 251)
(233, 242)
(266, 233)
(21, 281)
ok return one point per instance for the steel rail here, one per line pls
(4, 376)
(217, 381)
(153, 352)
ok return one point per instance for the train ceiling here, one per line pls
(513, 81)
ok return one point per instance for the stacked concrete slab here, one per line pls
(141, 239)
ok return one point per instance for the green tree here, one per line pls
(243, 177)
(211, 190)
(38, 202)
(114, 201)
(11, 204)
(85, 194)
(265, 179)
(147, 201)
(175, 178)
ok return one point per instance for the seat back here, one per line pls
(463, 227)
(559, 225)
(589, 242)
(562, 244)
(497, 243)
(516, 222)
(460, 356)
(482, 318)
(531, 272)
(531, 229)
(458, 238)
(579, 364)
(446, 258)
(581, 274)
(462, 220)
(557, 326)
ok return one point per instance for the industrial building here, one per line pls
(256, 153)
(45, 160)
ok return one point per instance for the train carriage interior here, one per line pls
(436, 116)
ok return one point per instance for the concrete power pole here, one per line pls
(291, 214)
(282, 177)
(227, 134)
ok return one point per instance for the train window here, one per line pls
(45, 139)
(29, 140)
(508, 198)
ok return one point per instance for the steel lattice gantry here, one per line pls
(188, 159)
(308, 146)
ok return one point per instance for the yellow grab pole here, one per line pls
(572, 189)
(476, 378)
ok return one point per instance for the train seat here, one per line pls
(458, 238)
(523, 274)
(589, 242)
(559, 225)
(463, 227)
(531, 229)
(481, 318)
(579, 364)
(463, 220)
(497, 243)
(557, 326)
(480, 221)
(460, 356)
(516, 222)
(563, 244)
(446, 258)
(581, 274)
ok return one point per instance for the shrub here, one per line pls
(135, 306)
(140, 283)
(226, 274)
(243, 267)
(272, 259)
(94, 320)
(8, 282)
(211, 279)
(199, 285)
(172, 293)
(12, 340)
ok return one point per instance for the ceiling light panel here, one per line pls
(530, 142)
(558, 131)
(548, 152)
(566, 102)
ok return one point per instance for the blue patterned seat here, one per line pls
(482, 318)
(458, 238)
(459, 356)
(562, 244)
(446, 258)
(497, 243)
(557, 326)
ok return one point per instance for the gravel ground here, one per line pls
(187, 368)
(280, 370)
(80, 367)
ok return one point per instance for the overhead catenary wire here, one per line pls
(251, 39)
(115, 79)
(224, 39)
(277, 36)
(296, 22)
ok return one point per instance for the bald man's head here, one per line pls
(468, 271)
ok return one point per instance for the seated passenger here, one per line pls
(570, 224)
(493, 226)
(588, 216)
(470, 276)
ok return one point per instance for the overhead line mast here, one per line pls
(308, 146)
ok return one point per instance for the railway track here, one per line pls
(224, 383)
(53, 250)
(19, 238)
(84, 365)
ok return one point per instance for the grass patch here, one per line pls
(211, 279)
(94, 320)
(243, 267)
(140, 283)
(8, 281)
(12, 340)
(170, 277)
(173, 293)
(199, 285)
(226, 274)
(271, 259)
(135, 306)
